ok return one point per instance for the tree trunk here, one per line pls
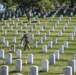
(72, 3)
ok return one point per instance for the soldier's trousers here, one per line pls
(26, 44)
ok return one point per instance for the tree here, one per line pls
(44, 5)
(72, 3)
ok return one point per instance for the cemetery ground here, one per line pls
(38, 56)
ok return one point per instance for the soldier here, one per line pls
(28, 15)
(26, 38)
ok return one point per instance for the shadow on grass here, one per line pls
(13, 71)
(49, 73)
(41, 71)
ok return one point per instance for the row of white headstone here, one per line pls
(71, 68)
(18, 56)
(4, 70)
(61, 47)
(72, 34)
(67, 70)
(40, 40)
(38, 32)
(53, 16)
(65, 26)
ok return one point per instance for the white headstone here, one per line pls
(52, 29)
(54, 40)
(7, 25)
(5, 32)
(71, 37)
(13, 22)
(30, 59)
(15, 32)
(16, 25)
(20, 29)
(38, 32)
(71, 13)
(31, 28)
(44, 16)
(33, 19)
(4, 22)
(44, 26)
(39, 14)
(61, 16)
(35, 44)
(56, 52)
(55, 25)
(75, 55)
(17, 19)
(2, 19)
(4, 70)
(51, 19)
(36, 16)
(33, 70)
(67, 70)
(8, 58)
(58, 21)
(18, 54)
(44, 48)
(72, 63)
(50, 44)
(21, 36)
(6, 44)
(29, 22)
(13, 17)
(73, 32)
(1, 28)
(60, 33)
(3, 40)
(47, 13)
(65, 44)
(64, 11)
(12, 48)
(48, 32)
(34, 26)
(20, 44)
(35, 12)
(38, 22)
(14, 40)
(74, 29)
(18, 65)
(25, 25)
(52, 59)
(61, 48)
(9, 19)
(11, 28)
(21, 22)
(41, 28)
(63, 28)
(45, 65)
(68, 21)
(44, 36)
(66, 25)
(1, 53)
(32, 36)
(40, 40)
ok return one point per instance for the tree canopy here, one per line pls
(43, 4)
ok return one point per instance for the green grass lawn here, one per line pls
(38, 56)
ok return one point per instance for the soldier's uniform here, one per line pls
(28, 15)
(26, 38)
